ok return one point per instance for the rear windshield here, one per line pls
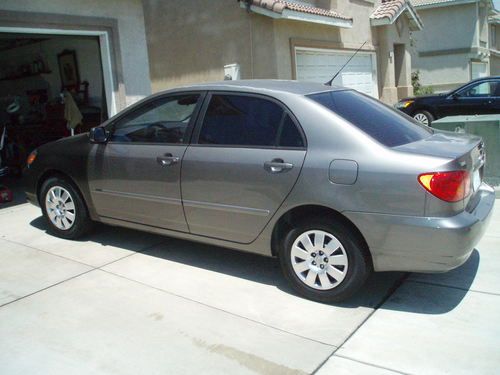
(381, 122)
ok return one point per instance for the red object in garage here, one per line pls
(5, 194)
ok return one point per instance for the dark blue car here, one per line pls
(478, 97)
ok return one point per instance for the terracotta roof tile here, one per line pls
(388, 8)
(392, 8)
(279, 5)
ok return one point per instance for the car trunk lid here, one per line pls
(464, 152)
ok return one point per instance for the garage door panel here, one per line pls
(321, 65)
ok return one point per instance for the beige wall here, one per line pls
(189, 41)
(495, 65)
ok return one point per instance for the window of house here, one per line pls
(161, 121)
(241, 120)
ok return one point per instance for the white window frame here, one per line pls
(104, 42)
(372, 54)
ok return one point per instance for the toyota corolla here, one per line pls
(332, 182)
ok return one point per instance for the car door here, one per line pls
(246, 155)
(475, 99)
(135, 176)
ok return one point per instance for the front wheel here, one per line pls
(423, 117)
(324, 261)
(64, 209)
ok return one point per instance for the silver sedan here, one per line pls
(332, 182)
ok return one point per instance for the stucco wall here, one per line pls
(132, 38)
(495, 65)
(192, 40)
(442, 50)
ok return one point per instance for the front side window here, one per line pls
(164, 120)
(240, 120)
(384, 124)
(483, 89)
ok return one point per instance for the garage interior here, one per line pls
(51, 86)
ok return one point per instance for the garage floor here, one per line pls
(126, 302)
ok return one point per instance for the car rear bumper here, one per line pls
(424, 244)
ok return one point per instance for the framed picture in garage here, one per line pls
(68, 69)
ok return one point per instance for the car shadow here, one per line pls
(386, 290)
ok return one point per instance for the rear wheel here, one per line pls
(324, 260)
(64, 209)
(424, 117)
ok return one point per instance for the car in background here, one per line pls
(478, 97)
(330, 181)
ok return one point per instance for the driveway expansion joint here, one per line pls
(390, 292)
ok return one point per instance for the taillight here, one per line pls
(451, 186)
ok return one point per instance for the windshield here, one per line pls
(384, 124)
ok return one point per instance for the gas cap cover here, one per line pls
(343, 171)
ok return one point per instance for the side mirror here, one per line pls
(455, 96)
(98, 135)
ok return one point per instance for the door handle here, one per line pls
(277, 166)
(167, 160)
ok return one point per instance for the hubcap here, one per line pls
(319, 259)
(420, 117)
(60, 207)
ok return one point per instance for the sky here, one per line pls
(497, 4)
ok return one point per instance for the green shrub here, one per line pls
(418, 89)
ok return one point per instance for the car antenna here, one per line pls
(329, 83)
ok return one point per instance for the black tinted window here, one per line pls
(241, 120)
(161, 121)
(386, 125)
(290, 135)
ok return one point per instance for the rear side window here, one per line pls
(383, 123)
(241, 120)
(290, 135)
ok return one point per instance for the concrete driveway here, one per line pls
(126, 302)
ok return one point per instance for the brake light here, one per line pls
(451, 186)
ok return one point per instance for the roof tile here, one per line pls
(279, 5)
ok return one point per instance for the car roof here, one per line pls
(265, 85)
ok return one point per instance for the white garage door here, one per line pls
(319, 65)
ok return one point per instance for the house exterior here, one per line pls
(151, 45)
(494, 24)
(455, 46)
(196, 41)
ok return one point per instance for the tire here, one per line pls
(65, 220)
(424, 117)
(349, 258)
